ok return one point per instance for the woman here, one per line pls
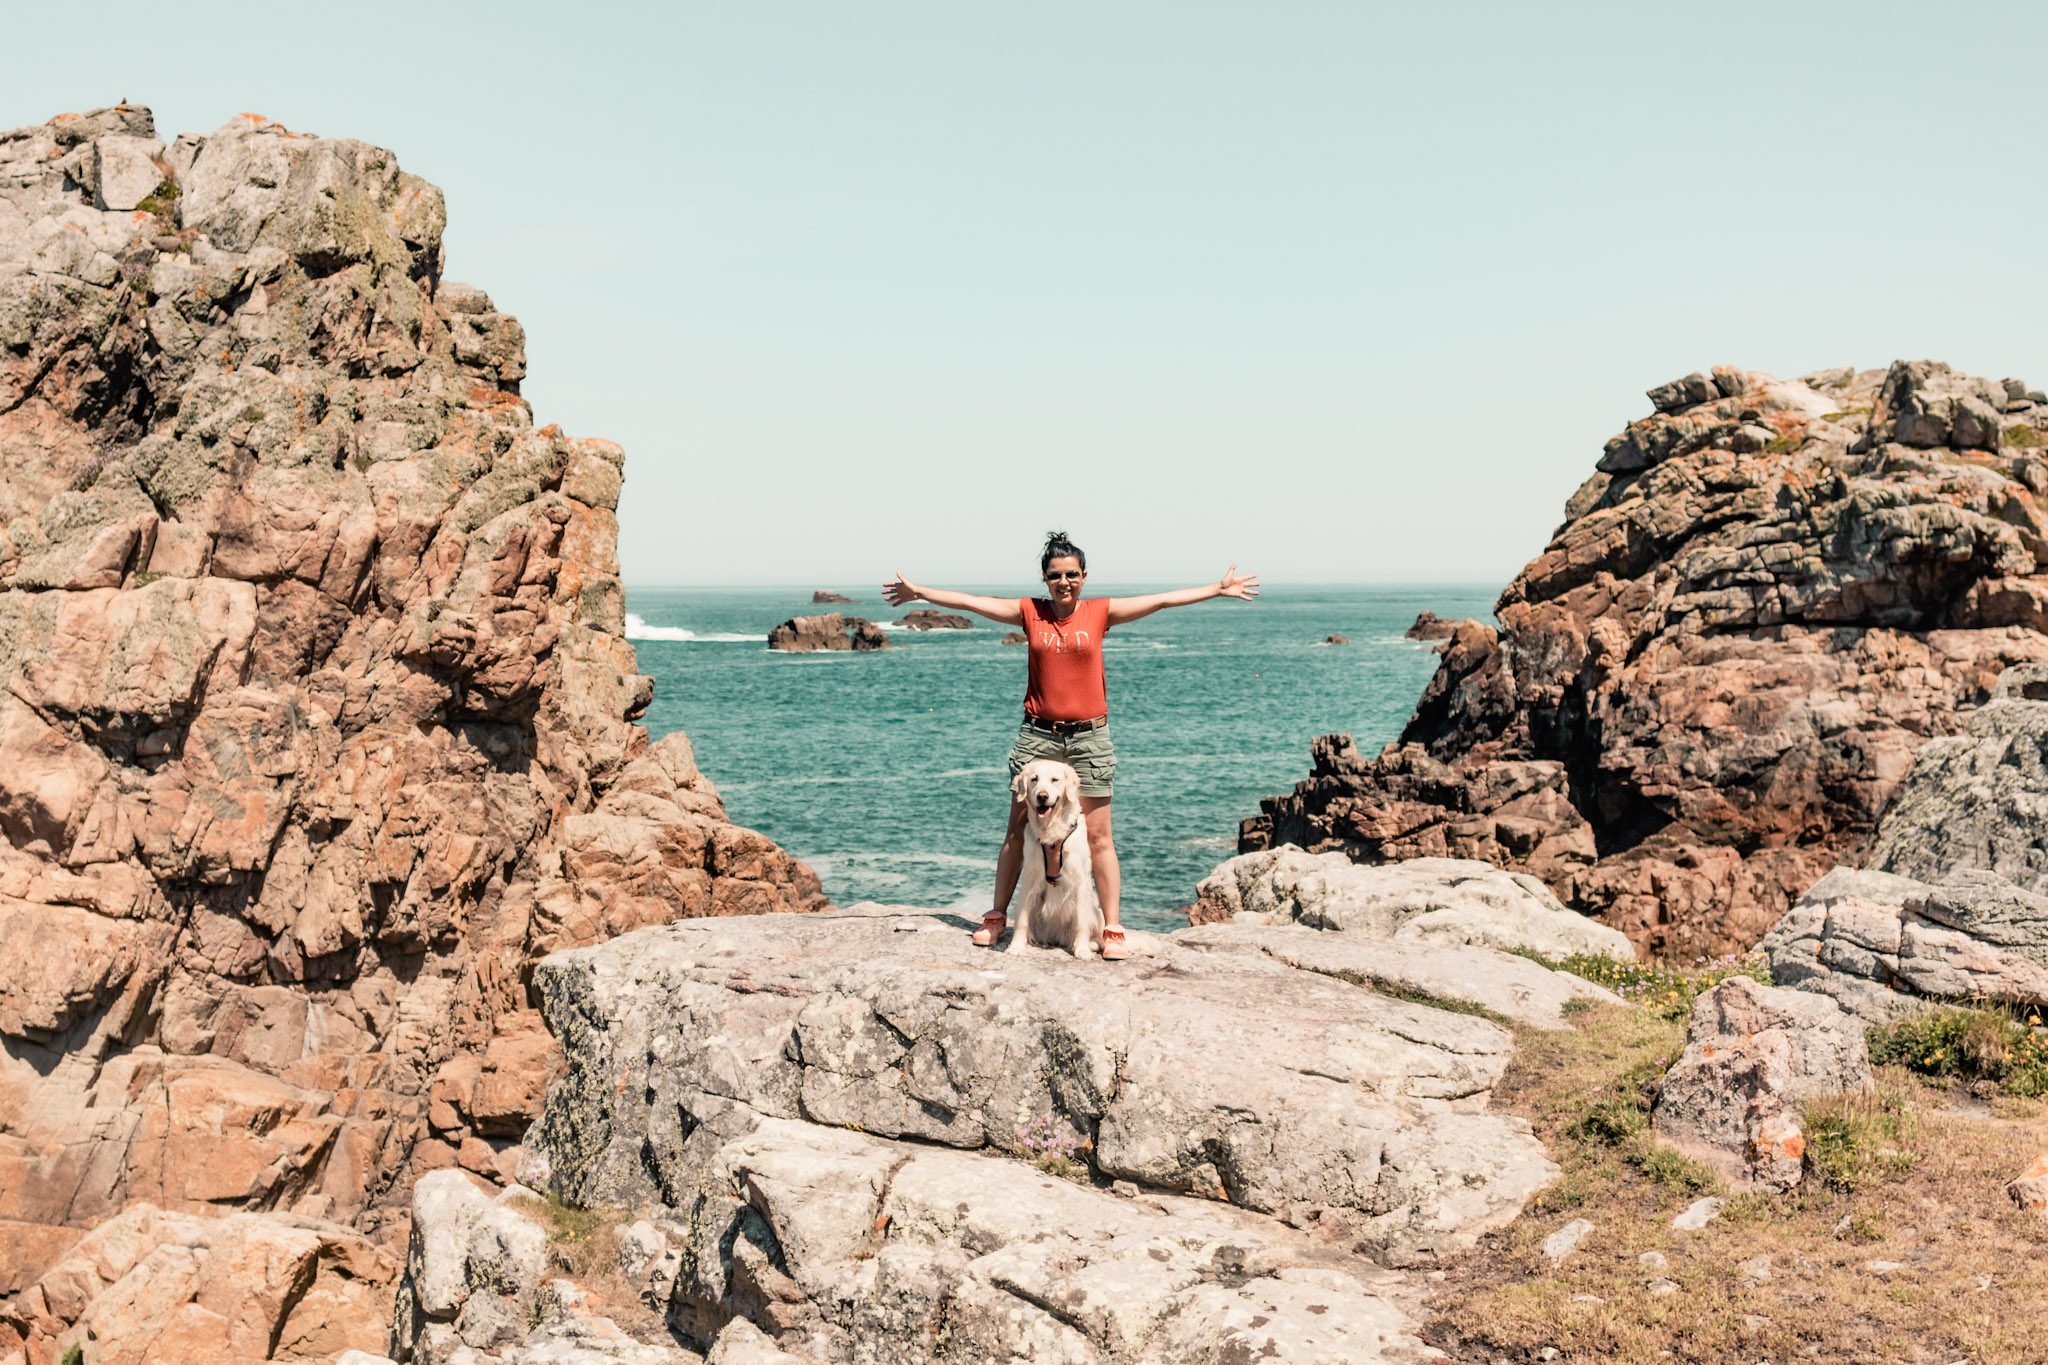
(1066, 702)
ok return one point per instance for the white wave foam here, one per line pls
(637, 629)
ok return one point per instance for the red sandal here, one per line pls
(1113, 949)
(992, 925)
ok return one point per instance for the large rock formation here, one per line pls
(815, 1138)
(1704, 691)
(316, 716)
(1954, 904)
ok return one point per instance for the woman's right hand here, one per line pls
(901, 591)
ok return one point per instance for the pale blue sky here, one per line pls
(1339, 291)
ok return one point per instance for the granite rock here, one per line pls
(2029, 1189)
(1508, 984)
(1446, 901)
(1703, 693)
(1955, 904)
(149, 1285)
(1430, 626)
(854, 1137)
(316, 713)
(1753, 1055)
(847, 1019)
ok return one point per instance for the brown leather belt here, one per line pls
(1066, 727)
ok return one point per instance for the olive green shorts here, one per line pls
(1088, 752)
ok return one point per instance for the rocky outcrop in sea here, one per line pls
(925, 619)
(831, 631)
(1701, 695)
(316, 715)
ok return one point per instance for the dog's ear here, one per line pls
(1018, 783)
(1070, 798)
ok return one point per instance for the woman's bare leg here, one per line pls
(1101, 852)
(1010, 862)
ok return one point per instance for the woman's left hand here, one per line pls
(1235, 584)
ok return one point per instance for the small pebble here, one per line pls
(1755, 1322)
(1436, 1274)
(1566, 1239)
(1698, 1214)
(1123, 1189)
(1660, 1287)
(1653, 1260)
(1756, 1268)
(1883, 1267)
(1587, 1298)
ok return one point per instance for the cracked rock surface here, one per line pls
(850, 1130)
(1509, 985)
(1955, 903)
(1700, 696)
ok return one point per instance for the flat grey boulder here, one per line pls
(1427, 900)
(1881, 944)
(1224, 1074)
(1753, 1055)
(1509, 985)
(796, 1242)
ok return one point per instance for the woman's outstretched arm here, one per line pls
(1003, 610)
(1232, 584)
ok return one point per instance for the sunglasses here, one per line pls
(1065, 574)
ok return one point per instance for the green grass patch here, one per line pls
(161, 204)
(2022, 435)
(1853, 1141)
(2000, 1044)
(1663, 1166)
(1620, 1110)
(74, 1354)
(1665, 990)
(566, 1222)
(1435, 1002)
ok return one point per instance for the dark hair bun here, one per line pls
(1057, 546)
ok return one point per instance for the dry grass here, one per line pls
(583, 1245)
(1914, 1174)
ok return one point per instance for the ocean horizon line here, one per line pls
(1418, 584)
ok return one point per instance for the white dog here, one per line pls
(1056, 904)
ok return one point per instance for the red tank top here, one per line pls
(1066, 660)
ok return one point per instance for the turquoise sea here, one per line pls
(885, 771)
